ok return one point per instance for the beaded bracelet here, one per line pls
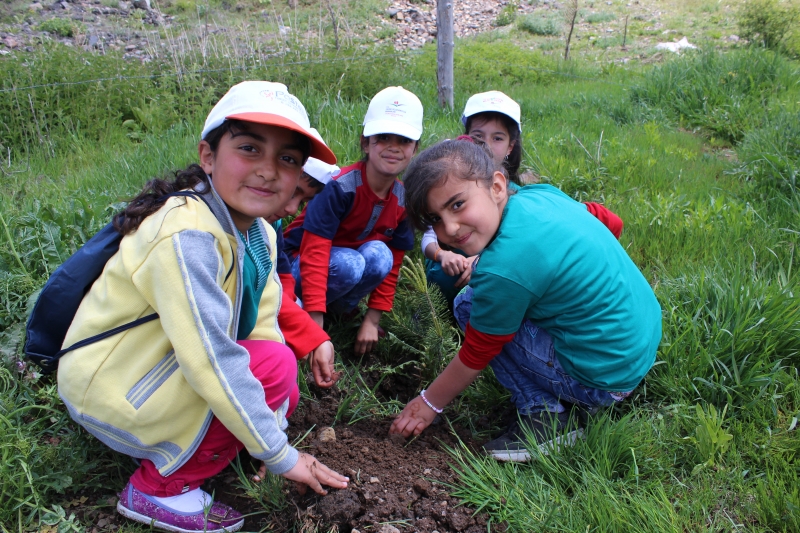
(436, 255)
(429, 404)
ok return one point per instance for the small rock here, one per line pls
(36, 6)
(124, 6)
(326, 434)
(102, 523)
(130, 48)
(422, 487)
(388, 529)
(373, 479)
(142, 4)
(392, 11)
(10, 42)
(93, 41)
(427, 471)
(734, 38)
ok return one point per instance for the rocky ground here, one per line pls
(133, 26)
(139, 31)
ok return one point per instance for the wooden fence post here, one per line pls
(444, 51)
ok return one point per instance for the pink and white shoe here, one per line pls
(213, 517)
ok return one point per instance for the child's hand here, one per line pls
(452, 263)
(321, 363)
(367, 337)
(416, 416)
(467, 274)
(308, 472)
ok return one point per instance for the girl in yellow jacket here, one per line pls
(212, 375)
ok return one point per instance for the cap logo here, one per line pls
(393, 110)
(284, 98)
(493, 100)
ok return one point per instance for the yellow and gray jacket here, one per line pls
(151, 391)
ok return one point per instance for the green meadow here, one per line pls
(698, 155)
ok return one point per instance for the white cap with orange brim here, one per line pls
(264, 102)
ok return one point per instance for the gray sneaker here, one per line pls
(545, 429)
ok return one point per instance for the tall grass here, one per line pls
(726, 95)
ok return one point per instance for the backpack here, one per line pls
(61, 296)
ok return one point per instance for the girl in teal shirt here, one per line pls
(561, 313)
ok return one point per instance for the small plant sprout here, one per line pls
(710, 437)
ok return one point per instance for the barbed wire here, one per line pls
(288, 64)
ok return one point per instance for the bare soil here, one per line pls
(395, 483)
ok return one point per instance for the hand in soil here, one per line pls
(308, 472)
(414, 418)
(367, 337)
(321, 362)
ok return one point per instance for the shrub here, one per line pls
(602, 16)
(767, 22)
(507, 15)
(60, 27)
(539, 26)
(723, 94)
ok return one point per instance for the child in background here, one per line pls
(493, 119)
(351, 238)
(555, 305)
(186, 392)
(307, 340)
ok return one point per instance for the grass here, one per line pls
(698, 156)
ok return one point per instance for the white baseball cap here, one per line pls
(394, 110)
(491, 101)
(264, 102)
(320, 170)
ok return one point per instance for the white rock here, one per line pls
(326, 434)
(675, 47)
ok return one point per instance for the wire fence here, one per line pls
(245, 68)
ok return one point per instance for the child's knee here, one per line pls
(272, 363)
(462, 307)
(378, 258)
(346, 267)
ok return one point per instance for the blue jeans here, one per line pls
(352, 274)
(528, 367)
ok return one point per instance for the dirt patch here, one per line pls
(394, 483)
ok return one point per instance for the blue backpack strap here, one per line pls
(61, 296)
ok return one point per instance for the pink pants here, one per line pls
(275, 366)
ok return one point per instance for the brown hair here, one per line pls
(313, 182)
(457, 159)
(513, 160)
(156, 191)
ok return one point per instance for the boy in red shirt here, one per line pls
(351, 238)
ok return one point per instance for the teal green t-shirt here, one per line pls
(256, 270)
(554, 263)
